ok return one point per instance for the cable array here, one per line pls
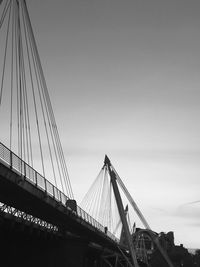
(26, 113)
(100, 202)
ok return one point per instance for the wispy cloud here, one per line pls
(191, 203)
(190, 213)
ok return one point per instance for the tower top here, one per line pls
(107, 160)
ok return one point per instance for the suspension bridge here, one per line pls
(40, 221)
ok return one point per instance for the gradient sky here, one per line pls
(124, 81)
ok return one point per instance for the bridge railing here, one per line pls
(31, 175)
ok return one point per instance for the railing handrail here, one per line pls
(80, 212)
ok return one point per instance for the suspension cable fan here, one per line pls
(24, 97)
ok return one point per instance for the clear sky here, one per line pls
(124, 81)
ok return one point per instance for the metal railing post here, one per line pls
(60, 196)
(45, 185)
(24, 169)
(36, 183)
(54, 192)
(10, 159)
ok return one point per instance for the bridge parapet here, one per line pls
(11, 160)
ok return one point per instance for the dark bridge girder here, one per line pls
(23, 245)
(16, 191)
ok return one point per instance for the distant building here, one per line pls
(147, 251)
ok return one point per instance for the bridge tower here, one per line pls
(110, 182)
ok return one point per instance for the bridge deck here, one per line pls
(24, 188)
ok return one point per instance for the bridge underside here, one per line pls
(17, 192)
(76, 243)
(27, 244)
